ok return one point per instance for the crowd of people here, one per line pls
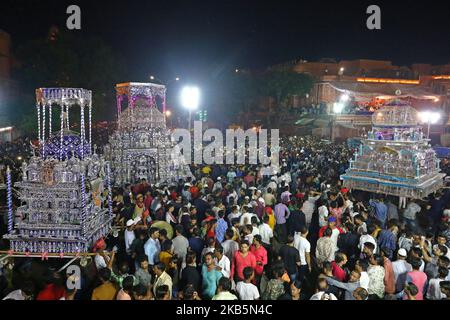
(232, 233)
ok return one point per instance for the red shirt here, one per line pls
(261, 256)
(194, 192)
(322, 230)
(51, 292)
(338, 272)
(148, 201)
(240, 262)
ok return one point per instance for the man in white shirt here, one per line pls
(273, 184)
(367, 238)
(409, 214)
(323, 215)
(304, 248)
(180, 243)
(322, 291)
(362, 266)
(265, 231)
(246, 217)
(229, 245)
(309, 206)
(401, 267)
(222, 262)
(246, 290)
(129, 235)
(234, 213)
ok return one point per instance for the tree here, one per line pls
(70, 61)
(281, 85)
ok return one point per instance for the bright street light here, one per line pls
(338, 107)
(168, 113)
(177, 79)
(429, 117)
(190, 98)
(345, 97)
(152, 78)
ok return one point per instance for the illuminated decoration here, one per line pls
(9, 199)
(395, 158)
(136, 91)
(387, 80)
(58, 211)
(6, 129)
(141, 147)
(442, 77)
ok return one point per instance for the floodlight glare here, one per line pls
(429, 117)
(345, 97)
(338, 107)
(190, 97)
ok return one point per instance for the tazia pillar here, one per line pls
(9, 199)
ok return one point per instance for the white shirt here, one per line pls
(229, 248)
(207, 250)
(308, 208)
(364, 280)
(367, 238)
(434, 290)
(15, 295)
(100, 262)
(400, 268)
(232, 216)
(335, 236)
(246, 218)
(129, 237)
(266, 233)
(255, 230)
(247, 291)
(249, 238)
(303, 246)
(323, 215)
(180, 246)
(225, 264)
(348, 204)
(318, 296)
(411, 210)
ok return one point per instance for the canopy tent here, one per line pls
(366, 91)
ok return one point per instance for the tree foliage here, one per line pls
(70, 61)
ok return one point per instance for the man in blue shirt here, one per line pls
(221, 227)
(152, 247)
(210, 276)
(380, 210)
(387, 238)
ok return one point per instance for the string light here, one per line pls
(108, 182)
(82, 132)
(49, 120)
(38, 108)
(9, 197)
(83, 204)
(61, 143)
(90, 127)
(43, 130)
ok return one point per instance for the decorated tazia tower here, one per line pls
(395, 158)
(63, 186)
(142, 147)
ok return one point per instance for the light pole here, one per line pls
(190, 97)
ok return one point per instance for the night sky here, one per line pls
(203, 38)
